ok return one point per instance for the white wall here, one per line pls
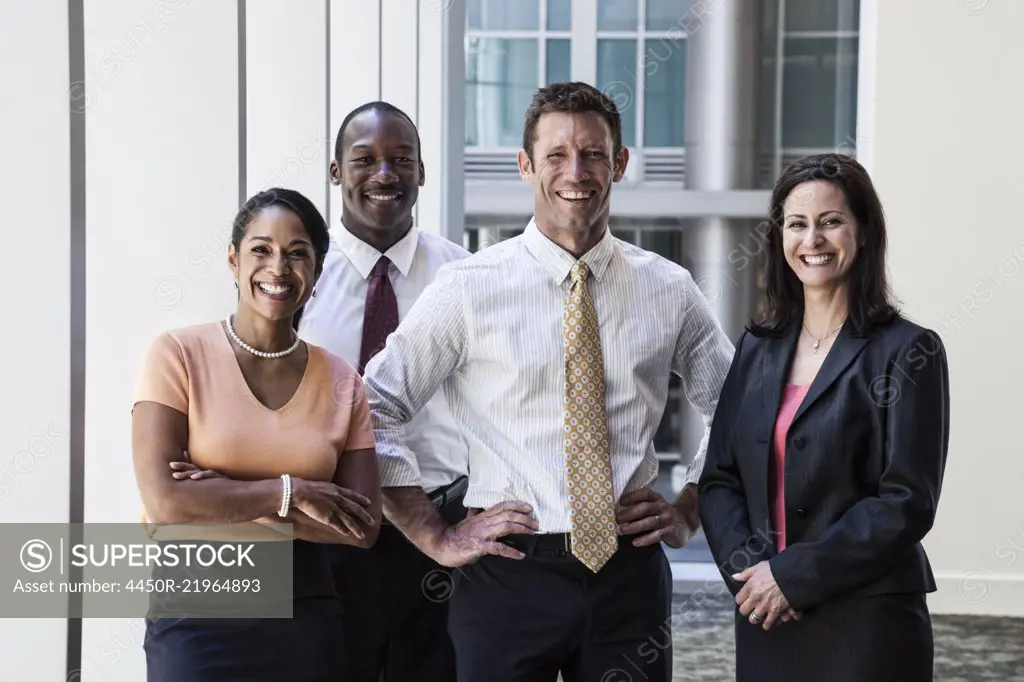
(34, 172)
(940, 131)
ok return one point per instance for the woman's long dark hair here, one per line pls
(298, 204)
(870, 301)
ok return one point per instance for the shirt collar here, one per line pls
(559, 262)
(364, 257)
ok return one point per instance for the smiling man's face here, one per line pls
(572, 170)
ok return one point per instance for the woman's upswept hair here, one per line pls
(298, 204)
(870, 300)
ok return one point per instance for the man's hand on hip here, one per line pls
(478, 534)
(647, 511)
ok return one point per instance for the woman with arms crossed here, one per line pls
(827, 450)
(272, 426)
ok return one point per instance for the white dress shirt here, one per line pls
(333, 319)
(489, 331)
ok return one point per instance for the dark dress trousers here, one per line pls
(864, 461)
(396, 608)
(307, 647)
(547, 616)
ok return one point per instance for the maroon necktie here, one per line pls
(380, 317)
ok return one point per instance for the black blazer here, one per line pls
(865, 457)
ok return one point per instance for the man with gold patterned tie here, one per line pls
(554, 349)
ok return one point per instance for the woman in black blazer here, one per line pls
(827, 449)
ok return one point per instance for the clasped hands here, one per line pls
(760, 600)
(321, 502)
(644, 513)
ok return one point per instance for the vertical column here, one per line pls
(399, 38)
(162, 179)
(867, 75)
(354, 65)
(722, 92)
(584, 41)
(35, 438)
(287, 141)
(36, 172)
(441, 116)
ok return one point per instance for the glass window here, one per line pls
(503, 15)
(617, 15)
(559, 60)
(822, 15)
(664, 66)
(501, 77)
(667, 15)
(616, 77)
(819, 91)
(559, 15)
(808, 88)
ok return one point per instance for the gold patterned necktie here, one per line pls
(588, 466)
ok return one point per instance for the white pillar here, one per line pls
(288, 139)
(722, 154)
(162, 182)
(354, 69)
(441, 116)
(34, 440)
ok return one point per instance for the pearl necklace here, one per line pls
(260, 353)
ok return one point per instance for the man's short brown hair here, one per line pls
(571, 98)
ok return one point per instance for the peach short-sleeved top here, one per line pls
(194, 370)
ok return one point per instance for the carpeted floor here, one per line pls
(967, 648)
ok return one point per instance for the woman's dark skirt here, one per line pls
(883, 638)
(308, 647)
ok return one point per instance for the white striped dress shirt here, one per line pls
(488, 331)
(333, 319)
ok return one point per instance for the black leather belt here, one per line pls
(559, 544)
(456, 490)
(545, 543)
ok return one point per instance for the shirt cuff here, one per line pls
(694, 471)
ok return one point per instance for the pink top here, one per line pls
(194, 371)
(791, 399)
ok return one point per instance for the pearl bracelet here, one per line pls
(286, 495)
